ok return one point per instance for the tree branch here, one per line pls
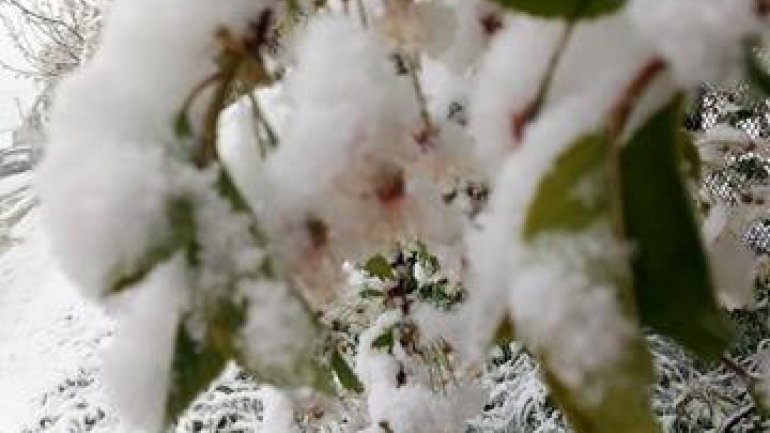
(30, 13)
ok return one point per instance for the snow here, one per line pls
(112, 137)
(275, 313)
(118, 205)
(490, 249)
(702, 39)
(605, 51)
(555, 295)
(732, 261)
(358, 169)
(279, 412)
(336, 113)
(411, 404)
(147, 320)
(521, 51)
(49, 332)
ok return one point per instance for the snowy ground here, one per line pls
(48, 333)
(50, 338)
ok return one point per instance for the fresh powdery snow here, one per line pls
(51, 362)
(50, 334)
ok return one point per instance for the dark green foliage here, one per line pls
(344, 373)
(378, 266)
(566, 9)
(196, 363)
(670, 268)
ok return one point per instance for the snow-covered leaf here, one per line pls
(196, 363)
(181, 237)
(599, 390)
(621, 406)
(567, 198)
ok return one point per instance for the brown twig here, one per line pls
(429, 129)
(521, 119)
(633, 91)
(738, 370)
(208, 149)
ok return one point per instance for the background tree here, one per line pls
(52, 38)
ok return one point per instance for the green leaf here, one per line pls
(182, 127)
(565, 9)
(378, 266)
(620, 402)
(505, 333)
(303, 365)
(758, 73)
(229, 191)
(344, 373)
(384, 341)
(370, 293)
(182, 237)
(572, 195)
(674, 291)
(194, 366)
(197, 363)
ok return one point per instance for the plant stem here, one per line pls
(738, 370)
(261, 121)
(532, 110)
(208, 150)
(522, 118)
(427, 122)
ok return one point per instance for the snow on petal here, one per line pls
(555, 303)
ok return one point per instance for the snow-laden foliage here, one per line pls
(240, 166)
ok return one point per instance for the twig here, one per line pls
(532, 109)
(26, 11)
(738, 370)
(208, 150)
(429, 128)
(730, 422)
(261, 121)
